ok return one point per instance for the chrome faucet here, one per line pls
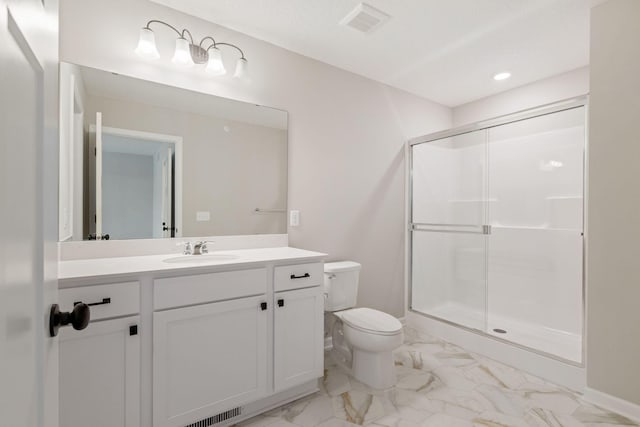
(196, 248)
(200, 248)
(188, 248)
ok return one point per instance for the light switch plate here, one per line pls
(203, 216)
(294, 218)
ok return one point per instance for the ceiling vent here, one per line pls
(365, 18)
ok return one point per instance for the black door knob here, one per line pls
(78, 318)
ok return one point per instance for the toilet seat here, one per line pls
(371, 321)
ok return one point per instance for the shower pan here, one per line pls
(497, 230)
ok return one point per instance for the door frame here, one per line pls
(71, 191)
(157, 137)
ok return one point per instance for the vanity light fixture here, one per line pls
(189, 53)
(502, 76)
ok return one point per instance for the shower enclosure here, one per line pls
(497, 228)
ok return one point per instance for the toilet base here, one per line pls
(377, 370)
(374, 366)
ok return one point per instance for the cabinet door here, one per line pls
(298, 333)
(208, 359)
(100, 374)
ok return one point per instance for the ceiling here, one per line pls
(443, 50)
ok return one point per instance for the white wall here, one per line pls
(346, 133)
(127, 195)
(613, 289)
(556, 88)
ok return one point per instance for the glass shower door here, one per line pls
(536, 216)
(448, 229)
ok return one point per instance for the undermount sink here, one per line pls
(199, 259)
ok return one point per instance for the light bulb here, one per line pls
(242, 69)
(182, 55)
(215, 65)
(147, 44)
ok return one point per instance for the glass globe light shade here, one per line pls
(215, 65)
(182, 54)
(147, 44)
(242, 69)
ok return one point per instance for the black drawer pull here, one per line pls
(133, 330)
(263, 306)
(104, 301)
(280, 303)
(304, 276)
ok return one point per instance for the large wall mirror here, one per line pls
(141, 160)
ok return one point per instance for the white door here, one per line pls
(164, 228)
(100, 374)
(298, 337)
(23, 343)
(98, 176)
(167, 199)
(208, 359)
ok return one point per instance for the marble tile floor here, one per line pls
(440, 385)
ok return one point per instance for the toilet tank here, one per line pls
(340, 285)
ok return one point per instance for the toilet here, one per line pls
(363, 338)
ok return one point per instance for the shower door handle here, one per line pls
(484, 229)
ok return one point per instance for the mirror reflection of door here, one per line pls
(163, 193)
(98, 178)
(133, 184)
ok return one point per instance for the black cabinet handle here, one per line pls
(104, 301)
(263, 306)
(78, 318)
(304, 276)
(133, 330)
(280, 303)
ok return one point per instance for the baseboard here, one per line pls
(612, 403)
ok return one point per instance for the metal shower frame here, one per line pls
(567, 104)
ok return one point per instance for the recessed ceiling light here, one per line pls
(502, 76)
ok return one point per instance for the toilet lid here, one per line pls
(372, 321)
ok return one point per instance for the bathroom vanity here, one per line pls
(179, 341)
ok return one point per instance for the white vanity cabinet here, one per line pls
(298, 324)
(214, 344)
(298, 337)
(100, 365)
(209, 358)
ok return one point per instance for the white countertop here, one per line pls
(101, 267)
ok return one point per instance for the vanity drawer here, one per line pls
(204, 288)
(112, 300)
(298, 276)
